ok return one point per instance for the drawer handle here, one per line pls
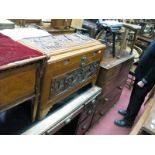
(83, 61)
(101, 113)
(90, 112)
(84, 127)
(120, 87)
(93, 101)
(66, 62)
(94, 53)
(106, 99)
(68, 120)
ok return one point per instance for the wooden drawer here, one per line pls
(114, 75)
(104, 103)
(16, 84)
(108, 101)
(84, 126)
(125, 69)
(63, 123)
(106, 75)
(112, 86)
(68, 64)
(116, 91)
(102, 109)
(88, 111)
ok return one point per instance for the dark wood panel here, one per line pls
(111, 80)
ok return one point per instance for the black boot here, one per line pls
(122, 112)
(123, 123)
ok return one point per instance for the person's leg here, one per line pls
(132, 97)
(136, 100)
(122, 111)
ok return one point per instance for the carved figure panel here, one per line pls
(69, 80)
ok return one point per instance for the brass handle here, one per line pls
(120, 87)
(106, 99)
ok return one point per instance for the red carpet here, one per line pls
(11, 51)
(106, 125)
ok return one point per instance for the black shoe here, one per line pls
(122, 123)
(122, 112)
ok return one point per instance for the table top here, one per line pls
(12, 51)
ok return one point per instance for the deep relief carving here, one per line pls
(69, 80)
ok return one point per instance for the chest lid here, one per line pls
(53, 45)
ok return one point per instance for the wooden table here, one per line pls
(19, 82)
(144, 119)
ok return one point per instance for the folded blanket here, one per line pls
(11, 51)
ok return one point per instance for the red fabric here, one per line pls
(11, 51)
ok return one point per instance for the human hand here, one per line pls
(141, 84)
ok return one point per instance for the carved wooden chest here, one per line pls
(73, 62)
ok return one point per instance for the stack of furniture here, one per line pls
(112, 78)
(66, 64)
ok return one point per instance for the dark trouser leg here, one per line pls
(136, 100)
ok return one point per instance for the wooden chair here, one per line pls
(131, 76)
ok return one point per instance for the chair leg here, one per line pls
(132, 81)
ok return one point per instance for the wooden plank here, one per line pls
(149, 125)
(137, 128)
